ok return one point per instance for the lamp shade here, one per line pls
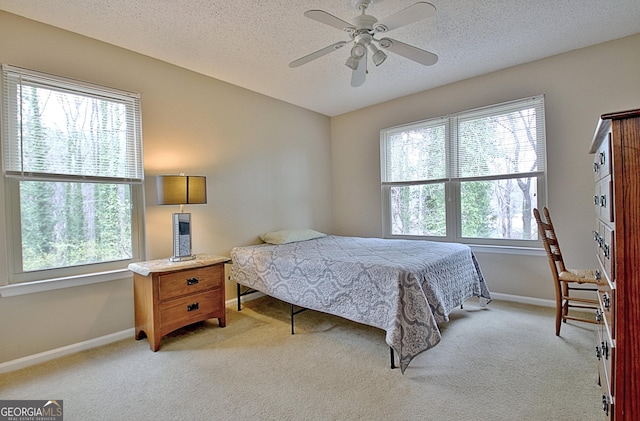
(181, 189)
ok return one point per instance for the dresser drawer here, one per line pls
(606, 297)
(603, 199)
(605, 352)
(602, 160)
(183, 311)
(604, 237)
(608, 407)
(608, 253)
(176, 284)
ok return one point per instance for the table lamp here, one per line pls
(181, 190)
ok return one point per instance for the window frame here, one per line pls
(10, 219)
(452, 182)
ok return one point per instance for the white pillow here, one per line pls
(290, 236)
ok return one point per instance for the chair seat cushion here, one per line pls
(578, 275)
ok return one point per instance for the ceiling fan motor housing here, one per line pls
(358, 4)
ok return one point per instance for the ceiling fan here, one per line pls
(362, 33)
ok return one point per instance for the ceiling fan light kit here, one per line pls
(352, 63)
(362, 33)
(376, 55)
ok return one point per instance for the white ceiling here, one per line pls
(250, 43)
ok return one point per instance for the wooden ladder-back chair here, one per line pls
(565, 280)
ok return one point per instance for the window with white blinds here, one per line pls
(470, 177)
(73, 170)
(57, 127)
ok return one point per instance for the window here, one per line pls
(72, 166)
(472, 177)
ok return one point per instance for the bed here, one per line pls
(405, 287)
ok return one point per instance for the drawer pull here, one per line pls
(598, 353)
(597, 274)
(193, 281)
(192, 307)
(603, 201)
(598, 316)
(602, 158)
(605, 350)
(606, 301)
(596, 201)
(598, 238)
(596, 167)
(605, 404)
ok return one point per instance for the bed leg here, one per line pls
(294, 312)
(238, 294)
(393, 359)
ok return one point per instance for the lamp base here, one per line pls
(182, 237)
(181, 258)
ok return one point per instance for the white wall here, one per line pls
(267, 165)
(579, 86)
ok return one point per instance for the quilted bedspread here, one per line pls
(405, 287)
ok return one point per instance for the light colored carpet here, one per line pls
(502, 362)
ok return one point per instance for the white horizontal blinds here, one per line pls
(62, 129)
(500, 141)
(415, 152)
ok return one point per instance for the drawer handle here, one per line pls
(596, 201)
(598, 317)
(597, 274)
(596, 167)
(605, 404)
(606, 301)
(605, 350)
(602, 158)
(193, 281)
(603, 201)
(192, 307)
(598, 353)
(598, 238)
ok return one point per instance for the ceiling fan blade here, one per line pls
(359, 75)
(326, 50)
(411, 14)
(409, 51)
(328, 19)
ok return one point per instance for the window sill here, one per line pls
(523, 251)
(24, 288)
(484, 248)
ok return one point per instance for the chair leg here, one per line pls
(565, 310)
(558, 315)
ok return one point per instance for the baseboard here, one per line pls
(129, 333)
(65, 350)
(234, 301)
(524, 300)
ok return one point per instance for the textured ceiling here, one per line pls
(249, 43)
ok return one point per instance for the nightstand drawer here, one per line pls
(191, 281)
(183, 311)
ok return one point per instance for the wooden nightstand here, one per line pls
(169, 295)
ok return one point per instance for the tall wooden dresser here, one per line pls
(616, 145)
